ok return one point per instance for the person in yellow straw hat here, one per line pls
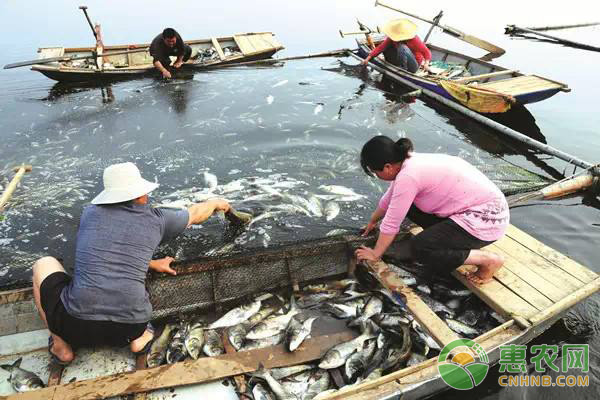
(402, 47)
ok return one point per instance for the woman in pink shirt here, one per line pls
(459, 208)
(402, 47)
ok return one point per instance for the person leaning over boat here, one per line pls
(402, 47)
(458, 207)
(105, 302)
(167, 44)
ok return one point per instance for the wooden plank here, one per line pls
(246, 47)
(568, 265)
(568, 302)
(188, 372)
(16, 295)
(522, 289)
(140, 364)
(56, 371)
(485, 76)
(520, 85)
(539, 264)
(218, 48)
(523, 270)
(429, 320)
(497, 296)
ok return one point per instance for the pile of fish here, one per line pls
(388, 338)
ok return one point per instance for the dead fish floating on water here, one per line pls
(21, 379)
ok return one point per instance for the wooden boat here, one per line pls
(212, 52)
(488, 88)
(536, 287)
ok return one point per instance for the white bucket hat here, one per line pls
(123, 182)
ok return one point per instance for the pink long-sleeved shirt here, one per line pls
(448, 187)
(418, 48)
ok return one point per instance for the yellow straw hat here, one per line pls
(400, 29)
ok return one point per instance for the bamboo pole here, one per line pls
(276, 60)
(480, 118)
(513, 29)
(20, 171)
(557, 27)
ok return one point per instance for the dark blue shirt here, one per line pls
(115, 244)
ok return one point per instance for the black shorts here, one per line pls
(443, 245)
(79, 332)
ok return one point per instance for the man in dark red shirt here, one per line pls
(167, 44)
(402, 47)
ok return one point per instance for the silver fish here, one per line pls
(237, 334)
(280, 83)
(275, 386)
(266, 342)
(357, 362)
(320, 384)
(337, 355)
(268, 214)
(391, 320)
(296, 332)
(195, 340)
(176, 350)
(461, 328)
(237, 315)
(332, 209)
(415, 359)
(270, 99)
(315, 206)
(259, 392)
(274, 324)
(318, 109)
(340, 190)
(342, 311)
(21, 379)
(213, 346)
(373, 307)
(336, 232)
(210, 180)
(158, 350)
(284, 372)
(453, 304)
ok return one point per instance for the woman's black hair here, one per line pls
(382, 150)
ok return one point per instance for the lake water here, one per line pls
(296, 128)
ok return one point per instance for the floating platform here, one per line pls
(534, 289)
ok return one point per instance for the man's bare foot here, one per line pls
(138, 344)
(61, 349)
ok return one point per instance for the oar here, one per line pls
(20, 171)
(70, 58)
(482, 44)
(84, 9)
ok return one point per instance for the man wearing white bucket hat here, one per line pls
(105, 302)
(402, 47)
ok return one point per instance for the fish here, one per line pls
(213, 346)
(309, 300)
(375, 374)
(391, 320)
(315, 206)
(340, 190)
(210, 180)
(21, 379)
(284, 372)
(195, 340)
(415, 359)
(268, 214)
(237, 334)
(337, 355)
(176, 350)
(374, 306)
(453, 304)
(274, 324)
(291, 208)
(437, 306)
(259, 392)
(275, 386)
(332, 209)
(397, 354)
(424, 288)
(321, 382)
(266, 342)
(318, 109)
(469, 317)
(336, 232)
(461, 328)
(280, 83)
(357, 363)
(429, 342)
(270, 99)
(298, 331)
(158, 350)
(342, 311)
(237, 315)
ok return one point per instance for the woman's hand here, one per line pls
(163, 265)
(365, 61)
(367, 229)
(366, 253)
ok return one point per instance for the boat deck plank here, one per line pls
(535, 277)
(521, 85)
